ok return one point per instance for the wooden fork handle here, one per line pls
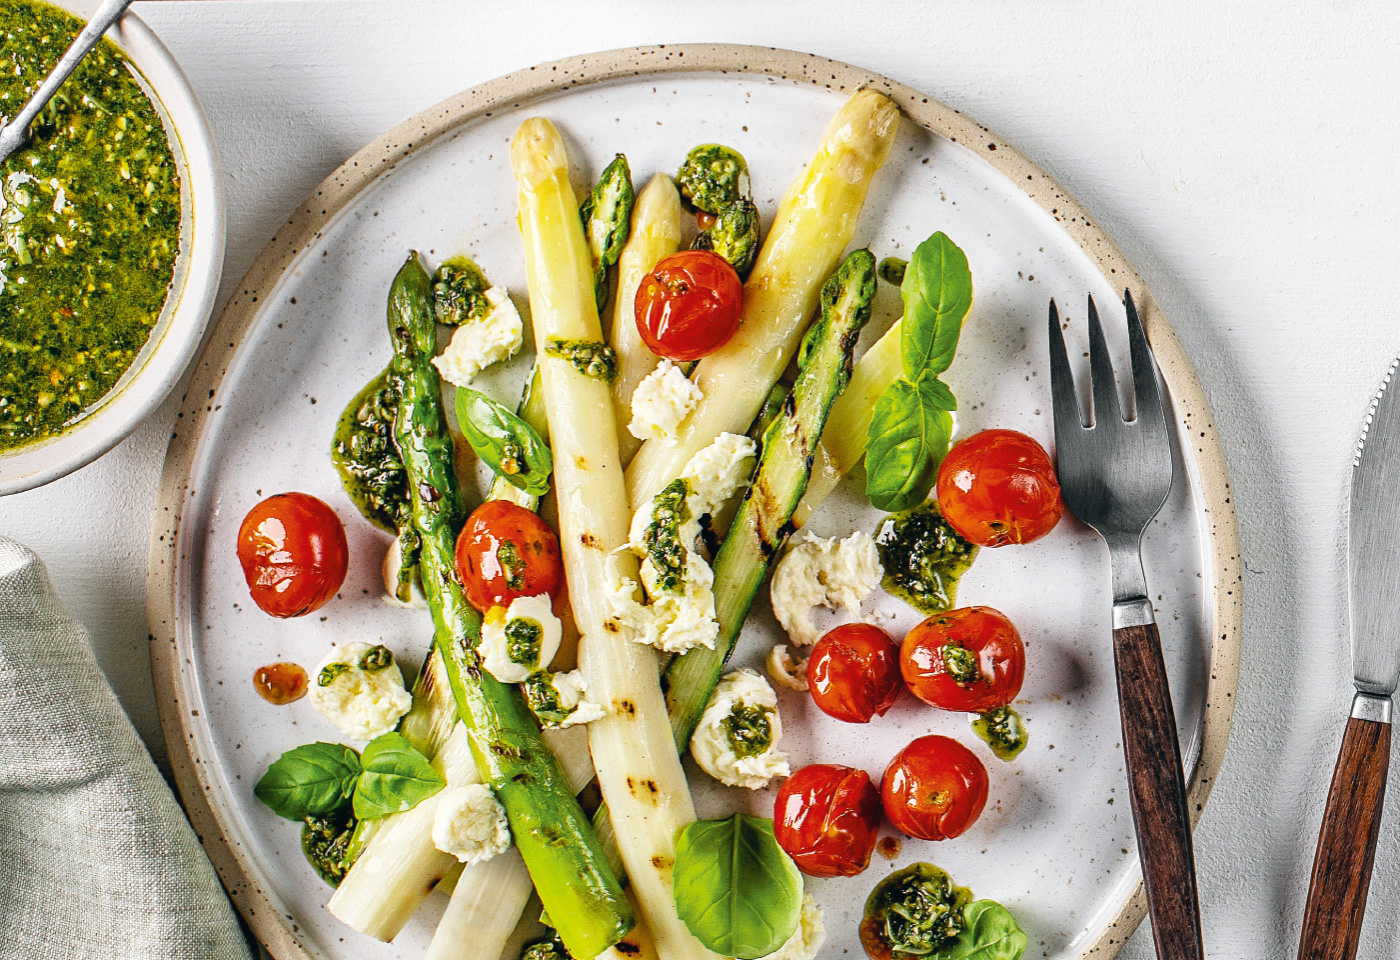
(1346, 847)
(1157, 789)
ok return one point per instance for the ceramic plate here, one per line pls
(1055, 844)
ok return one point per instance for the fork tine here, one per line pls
(1102, 381)
(1066, 401)
(1147, 398)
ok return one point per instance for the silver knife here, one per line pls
(1346, 846)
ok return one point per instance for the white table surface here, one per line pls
(1244, 159)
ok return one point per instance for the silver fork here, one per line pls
(1115, 475)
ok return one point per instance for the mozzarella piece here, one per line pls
(717, 471)
(661, 403)
(822, 572)
(496, 628)
(389, 570)
(806, 941)
(363, 704)
(572, 688)
(477, 344)
(712, 747)
(470, 823)
(786, 670)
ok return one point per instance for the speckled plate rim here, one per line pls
(183, 733)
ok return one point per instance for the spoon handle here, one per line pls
(16, 133)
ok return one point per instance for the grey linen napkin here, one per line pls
(96, 856)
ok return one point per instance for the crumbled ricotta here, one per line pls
(786, 670)
(677, 617)
(363, 704)
(389, 570)
(823, 573)
(497, 627)
(806, 941)
(470, 823)
(661, 403)
(572, 689)
(716, 751)
(479, 343)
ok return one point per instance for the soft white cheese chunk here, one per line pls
(806, 941)
(572, 688)
(661, 403)
(785, 669)
(389, 570)
(822, 572)
(470, 823)
(479, 343)
(675, 618)
(497, 626)
(716, 751)
(363, 704)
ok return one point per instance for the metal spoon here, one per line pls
(15, 134)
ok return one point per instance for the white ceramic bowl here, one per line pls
(177, 334)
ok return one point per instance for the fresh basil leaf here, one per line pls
(937, 293)
(396, 778)
(909, 433)
(735, 888)
(310, 781)
(989, 932)
(507, 444)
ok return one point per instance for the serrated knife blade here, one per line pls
(1373, 545)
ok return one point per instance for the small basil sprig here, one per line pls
(989, 932)
(310, 781)
(506, 443)
(396, 778)
(735, 888)
(319, 779)
(912, 424)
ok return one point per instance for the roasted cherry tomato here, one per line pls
(971, 660)
(689, 305)
(999, 487)
(826, 817)
(854, 672)
(934, 789)
(505, 552)
(293, 552)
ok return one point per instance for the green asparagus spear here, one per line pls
(763, 523)
(607, 216)
(551, 831)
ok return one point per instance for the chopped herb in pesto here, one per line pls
(459, 292)
(512, 564)
(1003, 730)
(326, 843)
(89, 227)
(376, 658)
(543, 698)
(329, 672)
(961, 662)
(923, 558)
(913, 912)
(748, 729)
(523, 638)
(590, 358)
(662, 540)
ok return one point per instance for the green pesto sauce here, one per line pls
(914, 911)
(89, 227)
(326, 843)
(588, 357)
(376, 658)
(366, 457)
(1003, 730)
(923, 558)
(748, 730)
(523, 637)
(662, 540)
(543, 698)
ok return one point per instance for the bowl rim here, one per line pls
(194, 289)
(186, 740)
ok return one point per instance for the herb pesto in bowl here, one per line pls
(106, 278)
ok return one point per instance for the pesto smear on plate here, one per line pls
(89, 227)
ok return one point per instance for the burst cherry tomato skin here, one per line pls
(993, 643)
(998, 487)
(293, 552)
(827, 817)
(934, 789)
(688, 307)
(505, 552)
(853, 673)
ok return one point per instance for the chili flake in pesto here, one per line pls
(89, 227)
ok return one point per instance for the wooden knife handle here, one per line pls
(1158, 792)
(1346, 847)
